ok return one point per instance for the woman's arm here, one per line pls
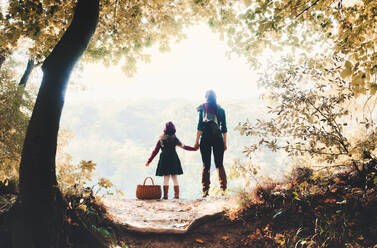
(199, 128)
(225, 146)
(198, 133)
(224, 129)
(222, 120)
(154, 153)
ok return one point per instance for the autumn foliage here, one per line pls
(338, 211)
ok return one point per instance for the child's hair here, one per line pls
(169, 128)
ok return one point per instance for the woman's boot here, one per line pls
(166, 192)
(222, 178)
(176, 192)
(205, 182)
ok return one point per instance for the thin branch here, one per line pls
(9, 157)
(306, 9)
(319, 168)
(331, 124)
(312, 151)
(340, 4)
(29, 68)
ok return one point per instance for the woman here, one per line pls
(212, 134)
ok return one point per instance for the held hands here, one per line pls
(146, 164)
(196, 146)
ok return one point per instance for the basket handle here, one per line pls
(146, 180)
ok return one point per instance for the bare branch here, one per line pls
(306, 9)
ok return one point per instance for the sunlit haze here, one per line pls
(116, 121)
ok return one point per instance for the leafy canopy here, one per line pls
(314, 113)
(124, 29)
(306, 27)
(313, 29)
(15, 108)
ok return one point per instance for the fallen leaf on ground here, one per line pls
(357, 189)
(329, 200)
(280, 239)
(225, 237)
(199, 241)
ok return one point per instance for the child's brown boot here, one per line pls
(176, 192)
(166, 192)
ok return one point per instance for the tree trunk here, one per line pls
(2, 59)
(22, 85)
(29, 68)
(39, 211)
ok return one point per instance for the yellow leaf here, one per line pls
(337, 180)
(105, 183)
(225, 237)
(280, 239)
(345, 73)
(373, 88)
(348, 65)
(82, 207)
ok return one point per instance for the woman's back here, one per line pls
(212, 121)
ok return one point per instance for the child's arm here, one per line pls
(188, 148)
(154, 153)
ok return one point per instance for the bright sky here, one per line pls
(193, 66)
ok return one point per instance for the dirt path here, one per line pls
(163, 216)
(178, 223)
(214, 232)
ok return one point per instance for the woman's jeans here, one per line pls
(215, 144)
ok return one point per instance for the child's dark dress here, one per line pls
(169, 163)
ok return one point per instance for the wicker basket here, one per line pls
(148, 192)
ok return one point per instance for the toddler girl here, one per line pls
(169, 164)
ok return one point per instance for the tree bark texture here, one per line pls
(39, 210)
